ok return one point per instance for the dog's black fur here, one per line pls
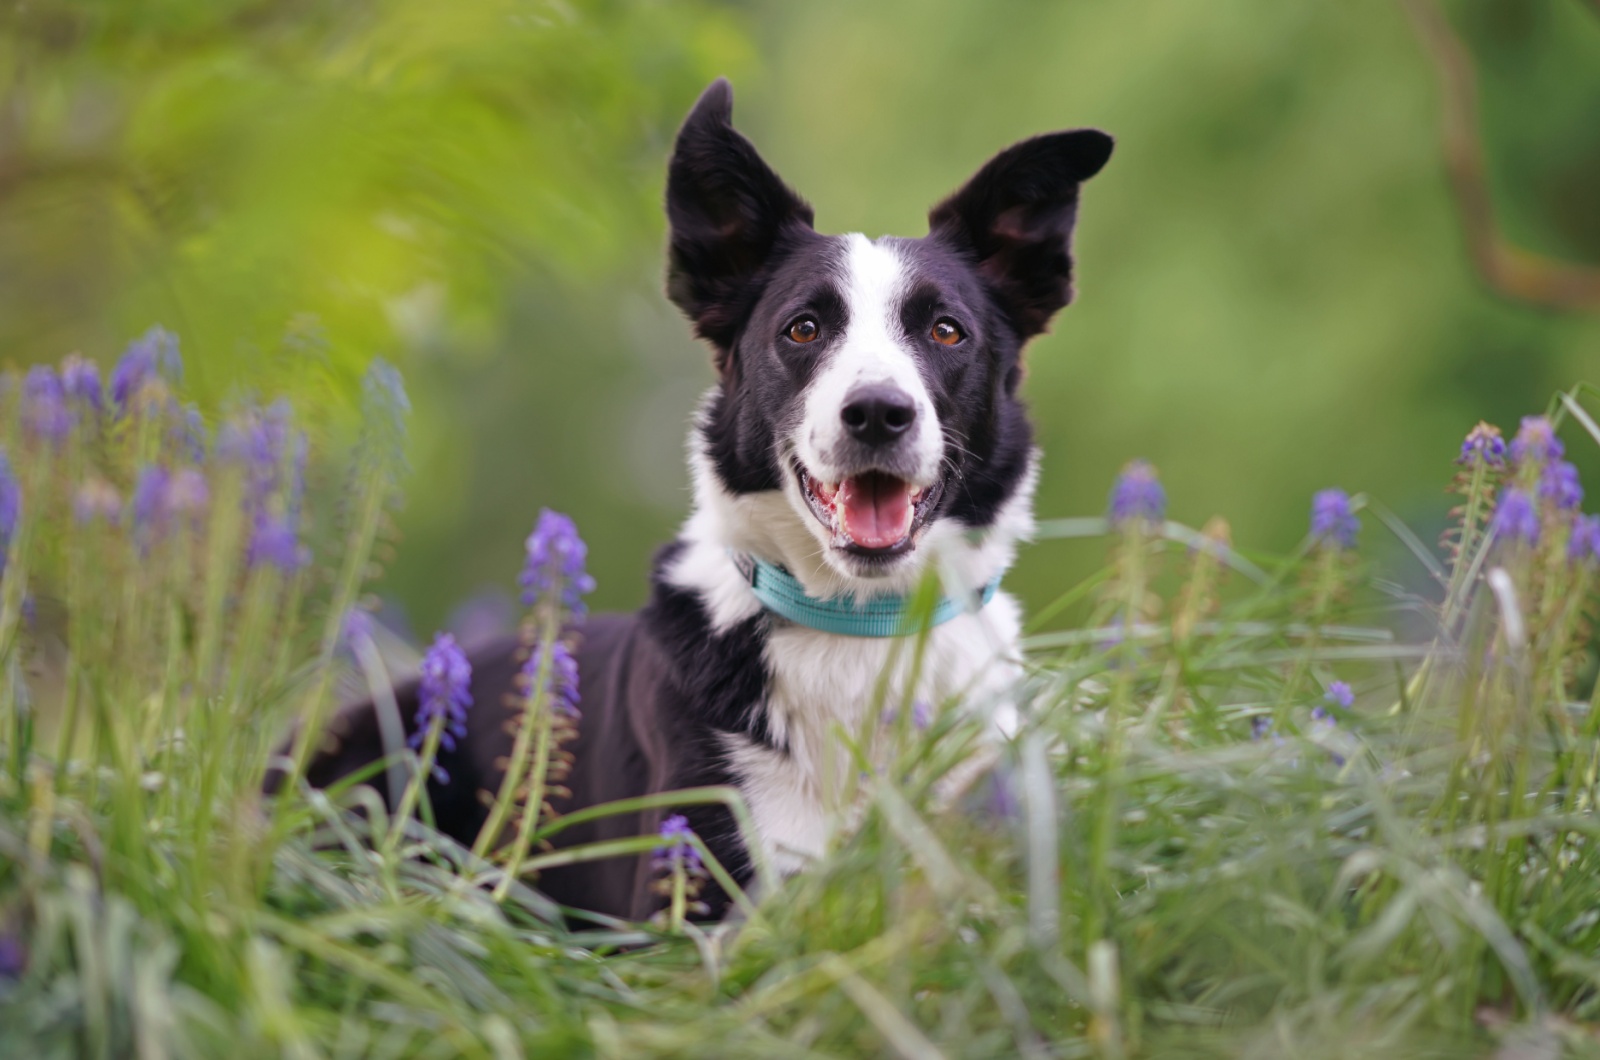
(662, 689)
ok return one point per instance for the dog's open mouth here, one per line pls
(872, 513)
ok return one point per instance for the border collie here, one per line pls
(864, 429)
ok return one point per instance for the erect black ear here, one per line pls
(1015, 218)
(728, 211)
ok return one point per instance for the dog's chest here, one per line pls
(824, 688)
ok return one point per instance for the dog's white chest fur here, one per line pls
(825, 686)
(822, 683)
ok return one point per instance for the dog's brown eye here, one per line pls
(803, 331)
(945, 333)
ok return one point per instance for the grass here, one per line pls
(1175, 857)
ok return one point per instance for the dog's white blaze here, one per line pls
(873, 351)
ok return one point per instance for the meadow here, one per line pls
(1260, 805)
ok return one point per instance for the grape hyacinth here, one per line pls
(1560, 485)
(1332, 522)
(149, 504)
(152, 355)
(1584, 544)
(274, 543)
(188, 434)
(10, 506)
(13, 957)
(677, 852)
(1536, 442)
(555, 563)
(44, 404)
(256, 440)
(446, 694)
(1516, 518)
(1137, 495)
(1483, 445)
(553, 582)
(563, 677)
(80, 379)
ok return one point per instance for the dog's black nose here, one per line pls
(877, 415)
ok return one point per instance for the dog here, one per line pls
(864, 428)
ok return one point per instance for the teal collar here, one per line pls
(882, 616)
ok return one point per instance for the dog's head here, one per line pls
(867, 396)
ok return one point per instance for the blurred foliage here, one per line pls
(295, 186)
(1274, 294)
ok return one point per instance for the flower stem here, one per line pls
(413, 792)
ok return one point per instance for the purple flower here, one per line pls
(1260, 727)
(446, 693)
(1516, 518)
(1137, 495)
(1584, 544)
(152, 355)
(1340, 694)
(275, 543)
(188, 434)
(80, 378)
(161, 497)
(257, 439)
(1560, 486)
(96, 500)
(677, 852)
(1332, 521)
(44, 404)
(556, 556)
(1483, 445)
(149, 504)
(10, 504)
(563, 677)
(13, 957)
(1536, 441)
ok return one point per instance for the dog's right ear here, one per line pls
(727, 210)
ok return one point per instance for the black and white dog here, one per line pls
(865, 425)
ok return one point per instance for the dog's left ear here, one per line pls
(1015, 218)
(728, 211)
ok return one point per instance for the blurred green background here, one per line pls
(1274, 292)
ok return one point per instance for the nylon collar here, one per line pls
(882, 616)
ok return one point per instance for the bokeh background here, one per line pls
(1276, 293)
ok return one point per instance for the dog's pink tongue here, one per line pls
(876, 509)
